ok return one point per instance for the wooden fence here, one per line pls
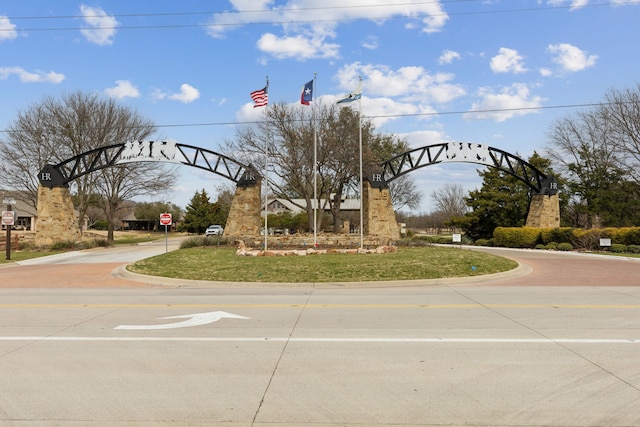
(14, 243)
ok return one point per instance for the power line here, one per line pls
(281, 22)
(379, 116)
(240, 12)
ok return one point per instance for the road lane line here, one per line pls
(330, 306)
(362, 340)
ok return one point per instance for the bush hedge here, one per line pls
(551, 238)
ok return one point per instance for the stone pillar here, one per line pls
(244, 216)
(379, 218)
(544, 211)
(56, 219)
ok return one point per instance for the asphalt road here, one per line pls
(555, 344)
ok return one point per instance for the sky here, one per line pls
(495, 72)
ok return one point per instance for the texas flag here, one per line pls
(307, 93)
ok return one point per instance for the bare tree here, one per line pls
(26, 149)
(597, 151)
(621, 111)
(56, 130)
(450, 201)
(286, 133)
(404, 193)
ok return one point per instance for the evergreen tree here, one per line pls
(200, 214)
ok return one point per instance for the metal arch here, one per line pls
(73, 168)
(467, 152)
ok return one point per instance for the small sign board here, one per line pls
(457, 238)
(8, 217)
(165, 219)
(605, 242)
(9, 201)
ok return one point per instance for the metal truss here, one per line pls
(145, 151)
(417, 158)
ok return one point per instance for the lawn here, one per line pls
(222, 264)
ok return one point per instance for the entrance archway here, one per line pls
(544, 209)
(56, 218)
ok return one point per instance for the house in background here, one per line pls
(277, 205)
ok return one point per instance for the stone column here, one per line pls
(379, 218)
(57, 220)
(244, 216)
(544, 211)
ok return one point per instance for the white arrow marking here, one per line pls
(194, 320)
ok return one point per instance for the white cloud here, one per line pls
(571, 58)
(448, 56)
(158, 95)
(545, 72)
(298, 47)
(409, 84)
(30, 76)
(574, 4)
(7, 29)
(507, 61)
(102, 26)
(423, 138)
(385, 110)
(122, 89)
(370, 43)
(187, 94)
(306, 27)
(511, 101)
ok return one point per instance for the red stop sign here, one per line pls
(165, 219)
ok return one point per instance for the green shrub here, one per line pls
(483, 242)
(102, 243)
(559, 235)
(62, 245)
(101, 224)
(633, 249)
(27, 245)
(618, 248)
(416, 241)
(516, 237)
(565, 246)
(200, 241)
(586, 239)
(552, 246)
(629, 236)
(540, 246)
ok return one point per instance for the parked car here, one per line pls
(214, 230)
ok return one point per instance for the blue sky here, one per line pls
(498, 72)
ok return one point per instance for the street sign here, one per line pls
(9, 201)
(165, 219)
(8, 217)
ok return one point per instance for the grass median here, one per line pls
(222, 264)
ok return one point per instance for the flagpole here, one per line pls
(361, 174)
(266, 174)
(315, 168)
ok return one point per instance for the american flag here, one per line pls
(260, 97)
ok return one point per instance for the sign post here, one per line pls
(166, 220)
(8, 219)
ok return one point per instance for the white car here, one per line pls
(214, 230)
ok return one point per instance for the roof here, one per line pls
(293, 205)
